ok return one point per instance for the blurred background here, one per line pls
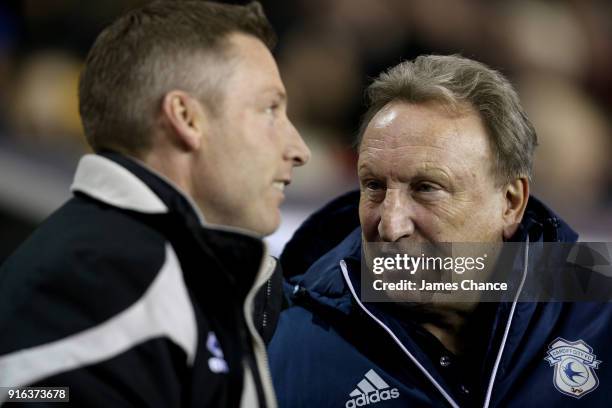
(557, 53)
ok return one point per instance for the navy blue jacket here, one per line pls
(331, 350)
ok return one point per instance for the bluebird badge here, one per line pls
(575, 366)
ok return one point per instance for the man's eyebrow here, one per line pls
(282, 95)
(364, 168)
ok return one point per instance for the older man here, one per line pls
(445, 156)
(139, 290)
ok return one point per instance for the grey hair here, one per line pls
(456, 81)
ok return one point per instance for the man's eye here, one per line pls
(273, 108)
(374, 185)
(426, 188)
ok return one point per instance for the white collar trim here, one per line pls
(113, 184)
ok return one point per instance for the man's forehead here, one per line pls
(249, 50)
(253, 63)
(429, 123)
(400, 110)
(424, 135)
(384, 117)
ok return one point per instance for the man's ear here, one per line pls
(516, 194)
(185, 117)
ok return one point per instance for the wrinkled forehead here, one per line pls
(426, 124)
(405, 138)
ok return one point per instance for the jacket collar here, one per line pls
(323, 280)
(103, 178)
(543, 225)
(127, 183)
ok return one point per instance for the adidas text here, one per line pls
(372, 398)
(370, 390)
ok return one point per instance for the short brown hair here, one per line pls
(454, 81)
(149, 51)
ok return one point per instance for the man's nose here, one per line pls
(296, 150)
(396, 218)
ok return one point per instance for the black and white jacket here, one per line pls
(128, 298)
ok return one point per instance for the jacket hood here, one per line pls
(311, 259)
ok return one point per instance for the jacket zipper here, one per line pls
(259, 349)
(507, 329)
(264, 320)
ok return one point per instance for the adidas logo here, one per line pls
(370, 390)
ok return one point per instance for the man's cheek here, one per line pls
(448, 213)
(369, 223)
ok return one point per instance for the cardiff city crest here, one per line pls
(575, 366)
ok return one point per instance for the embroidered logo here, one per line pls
(370, 390)
(217, 363)
(575, 366)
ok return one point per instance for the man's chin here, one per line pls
(268, 223)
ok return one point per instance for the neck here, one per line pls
(446, 322)
(448, 329)
(173, 168)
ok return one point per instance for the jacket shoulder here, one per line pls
(84, 264)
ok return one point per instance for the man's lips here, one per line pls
(280, 184)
